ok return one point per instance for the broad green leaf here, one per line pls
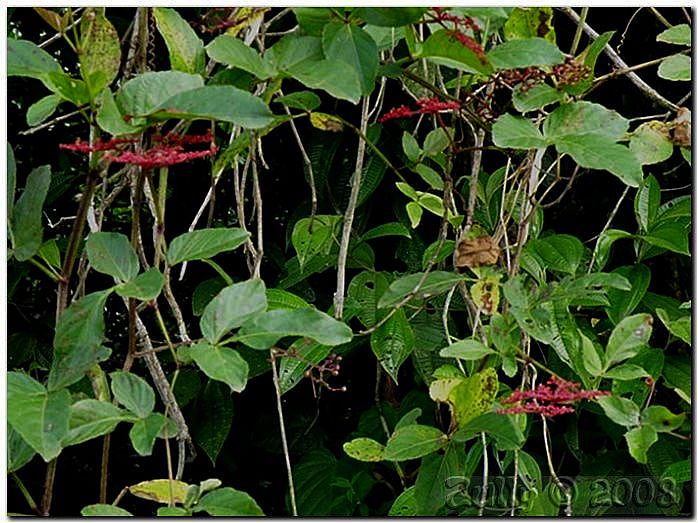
(159, 490)
(109, 117)
(676, 67)
(432, 203)
(364, 449)
(623, 302)
(639, 440)
(392, 343)
(292, 50)
(292, 370)
(651, 143)
(414, 441)
(530, 22)
(313, 478)
(309, 242)
(435, 283)
(410, 418)
(232, 307)
(92, 418)
(680, 472)
(38, 416)
(72, 89)
(661, 419)
(233, 52)
(280, 299)
(11, 181)
(213, 418)
(441, 47)
(133, 392)
(111, 253)
(626, 372)
(144, 93)
(466, 350)
(41, 110)
(390, 16)
(516, 132)
(312, 20)
(558, 252)
(504, 428)
(19, 452)
(584, 118)
(604, 243)
(24, 58)
(146, 286)
(185, 48)
(216, 102)
(387, 229)
(77, 344)
(104, 510)
(680, 327)
(27, 231)
(647, 202)
(301, 100)
(410, 147)
(414, 212)
(620, 410)
(473, 396)
(535, 97)
(404, 504)
(204, 243)
(435, 142)
(333, 76)
(352, 45)
(668, 234)
(265, 330)
(144, 432)
(679, 34)
(525, 52)
(227, 501)
(99, 51)
(432, 487)
(598, 152)
(628, 337)
(362, 296)
(326, 122)
(221, 364)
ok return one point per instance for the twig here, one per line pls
(257, 196)
(618, 61)
(606, 226)
(279, 410)
(627, 27)
(474, 174)
(349, 215)
(515, 483)
(309, 167)
(56, 36)
(485, 478)
(660, 17)
(44, 125)
(578, 32)
(556, 479)
(631, 68)
(27, 496)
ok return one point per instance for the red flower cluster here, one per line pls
(550, 399)
(426, 106)
(470, 44)
(465, 21)
(168, 151)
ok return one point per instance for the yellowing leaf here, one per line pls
(159, 490)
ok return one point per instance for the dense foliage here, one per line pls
(348, 261)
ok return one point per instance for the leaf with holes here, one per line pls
(628, 337)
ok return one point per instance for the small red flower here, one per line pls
(397, 112)
(470, 44)
(426, 106)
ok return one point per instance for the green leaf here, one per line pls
(680, 472)
(414, 212)
(133, 392)
(525, 52)
(466, 350)
(504, 428)
(387, 229)
(620, 410)
(432, 487)
(558, 252)
(535, 97)
(605, 241)
(443, 48)
(679, 34)
(516, 132)
(680, 327)
(364, 449)
(11, 181)
(647, 202)
(309, 243)
(292, 370)
(72, 89)
(265, 330)
(144, 93)
(104, 510)
(312, 20)
(333, 76)
(213, 419)
(530, 22)
(584, 118)
(589, 56)
(435, 142)
(669, 234)
(626, 372)
(628, 337)
(352, 45)
(111, 253)
(24, 58)
(232, 307)
(301, 100)
(227, 501)
(231, 51)
(435, 283)
(639, 440)
(410, 147)
(185, 48)
(99, 51)
(92, 418)
(313, 478)
(109, 117)
(622, 303)
(390, 16)
(77, 345)
(221, 364)
(392, 343)
(661, 419)
(146, 286)
(216, 102)
(19, 453)
(173, 512)
(676, 67)
(405, 504)
(27, 231)
(41, 110)
(651, 143)
(473, 396)
(292, 50)
(145, 431)
(204, 243)
(414, 441)
(38, 416)
(159, 490)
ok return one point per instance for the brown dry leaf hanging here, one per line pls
(477, 252)
(682, 128)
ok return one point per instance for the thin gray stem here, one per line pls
(605, 227)
(485, 478)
